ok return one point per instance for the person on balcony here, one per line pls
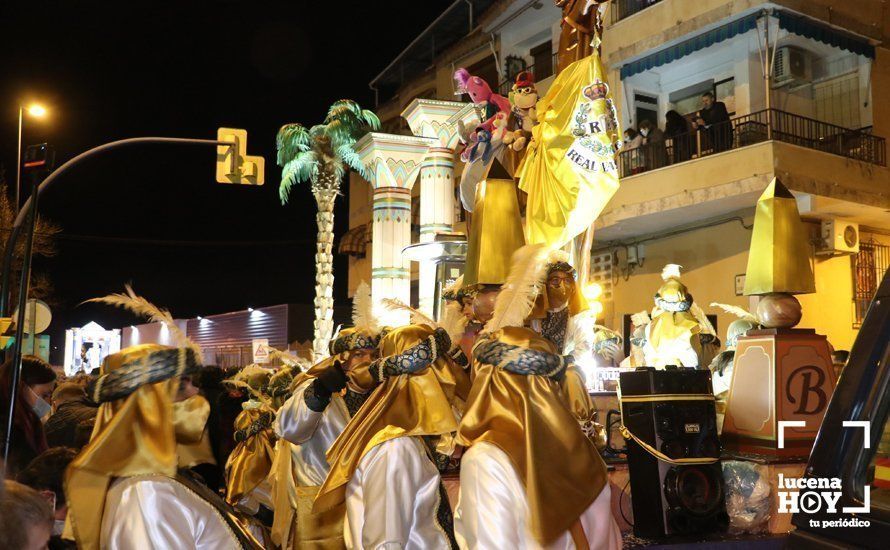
(714, 120)
(634, 158)
(655, 155)
(676, 129)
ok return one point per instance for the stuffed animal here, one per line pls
(483, 97)
(524, 98)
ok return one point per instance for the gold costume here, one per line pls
(190, 422)
(418, 404)
(250, 462)
(526, 417)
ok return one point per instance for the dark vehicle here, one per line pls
(862, 394)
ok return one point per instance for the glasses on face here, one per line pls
(554, 282)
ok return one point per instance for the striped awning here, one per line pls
(793, 23)
(355, 241)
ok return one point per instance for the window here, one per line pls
(487, 70)
(869, 266)
(542, 61)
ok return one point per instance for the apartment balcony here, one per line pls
(699, 176)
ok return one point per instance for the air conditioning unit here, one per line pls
(792, 66)
(839, 237)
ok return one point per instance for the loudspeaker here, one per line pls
(671, 412)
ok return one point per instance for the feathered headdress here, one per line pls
(363, 318)
(739, 312)
(452, 318)
(138, 305)
(417, 317)
(254, 379)
(517, 297)
(670, 271)
(288, 359)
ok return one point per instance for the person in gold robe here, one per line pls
(248, 469)
(322, 401)
(123, 488)
(581, 25)
(382, 465)
(530, 478)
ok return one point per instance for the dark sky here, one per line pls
(110, 70)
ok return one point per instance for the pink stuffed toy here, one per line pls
(496, 109)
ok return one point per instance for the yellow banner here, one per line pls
(570, 171)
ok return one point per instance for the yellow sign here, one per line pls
(233, 164)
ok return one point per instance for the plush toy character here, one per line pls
(524, 98)
(482, 95)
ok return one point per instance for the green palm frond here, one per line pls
(292, 139)
(304, 167)
(343, 108)
(370, 119)
(349, 157)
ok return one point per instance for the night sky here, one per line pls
(153, 215)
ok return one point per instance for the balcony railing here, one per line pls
(625, 8)
(750, 129)
(505, 85)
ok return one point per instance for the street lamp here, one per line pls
(37, 111)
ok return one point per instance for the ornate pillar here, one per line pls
(393, 163)
(435, 119)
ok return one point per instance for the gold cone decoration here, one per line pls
(495, 234)
(779, 257)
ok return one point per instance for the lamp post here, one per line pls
(37, 111)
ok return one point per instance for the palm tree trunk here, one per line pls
(324, 272)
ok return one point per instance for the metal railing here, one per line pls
(771, 124)
(505, 85)
(625, 8)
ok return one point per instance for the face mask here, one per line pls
(645, 132)
(58, 527)
(41, 408)
(558, 294)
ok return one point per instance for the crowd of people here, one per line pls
(650, 147)
(157, 450)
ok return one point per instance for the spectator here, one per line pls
(714, 120)
(209, 381)
(45, 474)
(653, 145)
(70, 407)
(27, 519)
(676, 129)
(27, 437)
(632, 159)
(83, 432)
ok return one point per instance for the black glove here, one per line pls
(328, 382)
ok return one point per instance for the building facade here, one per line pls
(802, 83)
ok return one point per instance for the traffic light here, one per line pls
(233, 165)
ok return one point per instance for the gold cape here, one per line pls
(569, 171)
(527, 418)
(190, 425)
(415, 404)
(322, 530)
(674, 326)
(132, 436)
(251, 460)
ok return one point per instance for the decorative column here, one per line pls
(435, 119)
(393, 163)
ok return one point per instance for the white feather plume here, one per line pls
(453, 320)
(739, 312)
(517, 297)
(138, 305)
(288, 359)
(670, 271)
(417, 317)
(363, 318)
(702, 319)
(455, 286)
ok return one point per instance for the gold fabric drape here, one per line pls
(415, 404)
(251, 460)
(190, 425)
(779, 257)
(131, 436)
(569, 171)
(527, 418)
(495, 234)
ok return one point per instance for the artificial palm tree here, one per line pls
(322, 155)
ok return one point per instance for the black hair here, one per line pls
(709, 93)
(47, 472)
(36, 371)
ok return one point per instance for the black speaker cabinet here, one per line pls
(673, 499)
